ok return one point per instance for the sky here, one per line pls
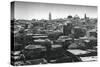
(34, 10)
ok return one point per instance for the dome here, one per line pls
(69, 16)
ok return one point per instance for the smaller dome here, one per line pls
(76, 16)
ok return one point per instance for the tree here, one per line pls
(78, 32)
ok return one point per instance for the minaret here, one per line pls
(85, 16)
(49, 16)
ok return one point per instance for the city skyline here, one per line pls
(28, 11)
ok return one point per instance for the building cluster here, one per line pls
(41, 41)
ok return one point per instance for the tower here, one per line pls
(49, 16)
(85, 17)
